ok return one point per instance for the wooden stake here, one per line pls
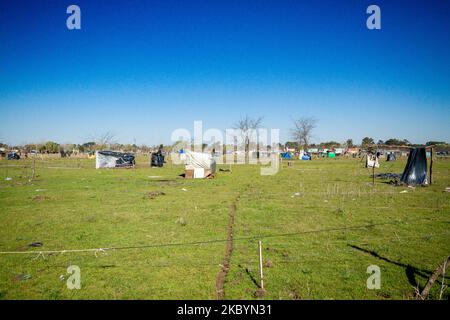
(33, 175)
(373, 170)
(431, 166)
(261, 265)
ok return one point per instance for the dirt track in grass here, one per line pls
(225, 267)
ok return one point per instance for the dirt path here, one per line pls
(220, 281)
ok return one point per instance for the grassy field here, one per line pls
(321, 222)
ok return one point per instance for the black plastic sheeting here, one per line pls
(122, 159)
(157, 159)
(13, 156)
(391, 157)
(415, 172)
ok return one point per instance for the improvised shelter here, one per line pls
(13, 156)
(157, 159)
(199, 165)
(286, 156)
(371, 161)
(415, 172)
(112, 159)
(306, 156)
(331, 154)
(391, 157)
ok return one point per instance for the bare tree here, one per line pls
(106, 140)
(247, 127)
(302, 130)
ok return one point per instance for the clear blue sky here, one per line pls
(141, 69)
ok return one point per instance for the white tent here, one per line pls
(371, 161)
(200, 165)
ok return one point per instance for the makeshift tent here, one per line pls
(331, 155)
(199, 165)
(371, 161)
(286, 155)
(13, 156)
(112, 159)
(157, 159)
(306, 157)
(415, 172)
(391, 157)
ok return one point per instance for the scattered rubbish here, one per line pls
(268, 264)
(36, 244)
(183, 189)
(39, 190)
(181, 221)
(155, 177)
(404, 191)
(8, 179)
(24, 277)
(447, 189)
(259, 293)
(154, 194)
(61, 277)
(388, 175)
(40, 198)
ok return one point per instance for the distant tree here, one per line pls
(380, 142)
(51, 147)
(302, 131)
(367, 142)
(106, 140)
(330, 144)
(247, 127)
(397, 142)
(349, 143)
(433, 143)
(292, 144)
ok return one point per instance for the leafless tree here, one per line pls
(247, 127)
(302, 130)
(106, 140)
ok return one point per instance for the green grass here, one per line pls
(70, 205)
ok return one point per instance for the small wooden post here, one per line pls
(33, 174)
(261, 265)
(431, 166)
(373, 170)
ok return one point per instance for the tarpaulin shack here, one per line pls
(372, 161)
(112, 159)
(199, 165)
(157, 159)
(286, 156)
(415, 172)
(13, 156)
(391, 157)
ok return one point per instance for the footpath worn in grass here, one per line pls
(305, 216)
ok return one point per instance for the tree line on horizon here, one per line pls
(301, 132)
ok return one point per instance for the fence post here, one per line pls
(261, 265)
